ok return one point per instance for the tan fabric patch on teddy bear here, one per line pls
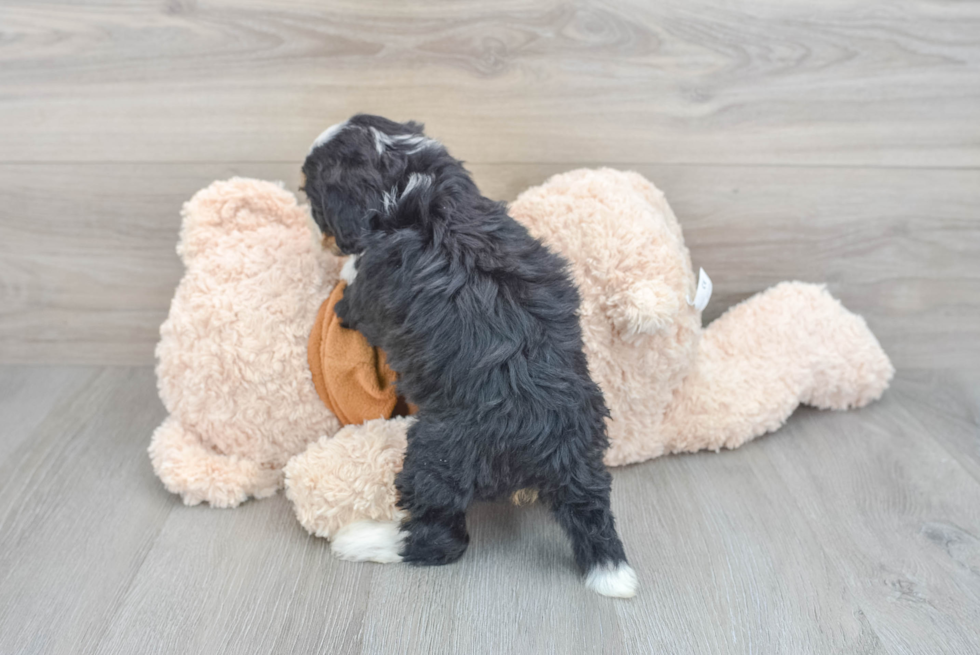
(351, 377)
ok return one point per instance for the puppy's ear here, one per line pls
(344, 184)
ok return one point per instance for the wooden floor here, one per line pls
(833, 142)
(843, 533)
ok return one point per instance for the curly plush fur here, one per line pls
(232, 367)
(326, 501)
(480, 322)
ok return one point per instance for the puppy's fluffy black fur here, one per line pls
(479, 320)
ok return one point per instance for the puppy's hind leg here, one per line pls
(435, 487)
(582, 508)
(434, 491)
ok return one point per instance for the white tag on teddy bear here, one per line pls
(703, 294)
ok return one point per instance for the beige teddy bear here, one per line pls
(234, 375)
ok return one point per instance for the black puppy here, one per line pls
(480, 322)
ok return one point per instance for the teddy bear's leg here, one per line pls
(349, 477)
(791, 344)
(199, 474)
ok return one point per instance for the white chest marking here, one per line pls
(349, 272)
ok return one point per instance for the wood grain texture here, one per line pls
(89, 280)
(879, 83)
(249, 581)
(899, 516)
(851, 532)
(27, 396)
(79, 511)
(952, 400)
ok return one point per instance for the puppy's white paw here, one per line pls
(615, 580)
(369, 541)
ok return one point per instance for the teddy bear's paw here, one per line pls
(369, 541)
(349, 477)
(613, 580)
(837, 355)
(187, 467)
(645, 307)
(853, 369)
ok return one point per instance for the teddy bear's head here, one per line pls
(231, 361)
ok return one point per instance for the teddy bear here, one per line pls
(247, 416)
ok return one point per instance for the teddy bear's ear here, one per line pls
(235, 206)
(645, 307)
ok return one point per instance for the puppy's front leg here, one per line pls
(350, 308)
(343, 311)
(361, 309)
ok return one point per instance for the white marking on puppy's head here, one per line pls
(417, 142)
(615, 580)
(413, 143)
(381, 140)
(417, 180)
(327, 134)
(388, 200)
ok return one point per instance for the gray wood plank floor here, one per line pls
(855, 532)
(833, 142)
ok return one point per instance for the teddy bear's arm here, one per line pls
(644, 307)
